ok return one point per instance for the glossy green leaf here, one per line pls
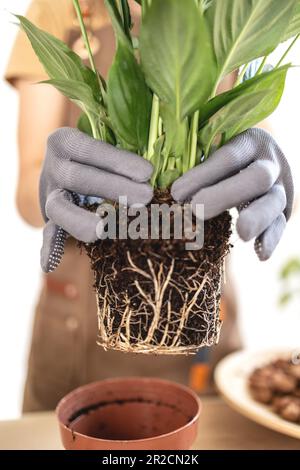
(129, 101)
(252, 106)
(126, 17)
(243, 30)
(58, 60)
(291, 268)
(84, 125)
(117, 22)
(156, 158)
(176, 132)
(78, 92)
(205, 4)
(177, 55)
(128, 97)
(214, 105)
(294, 25)
(167, 178)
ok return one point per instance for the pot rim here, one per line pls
(128, 379)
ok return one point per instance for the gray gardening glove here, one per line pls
(250, 173)
(75, 165)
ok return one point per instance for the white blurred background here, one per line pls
(263, 323)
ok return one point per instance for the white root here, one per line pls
(166, 335)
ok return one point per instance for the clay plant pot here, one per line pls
(129, 414)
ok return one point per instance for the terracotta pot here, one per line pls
(129, 414)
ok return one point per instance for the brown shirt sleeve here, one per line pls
(53, 16)
(56, 17)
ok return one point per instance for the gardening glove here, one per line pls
(76, 165)
(251, 173)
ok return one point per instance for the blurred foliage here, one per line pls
(290, 277)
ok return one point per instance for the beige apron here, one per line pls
(64, 353)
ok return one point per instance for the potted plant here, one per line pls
(160, 101)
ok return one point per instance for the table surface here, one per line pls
(220, 428)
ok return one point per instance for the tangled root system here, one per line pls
(156, 297)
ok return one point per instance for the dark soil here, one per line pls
(116, 286)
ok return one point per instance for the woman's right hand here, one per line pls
(77, 164)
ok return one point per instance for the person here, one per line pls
(64, 353)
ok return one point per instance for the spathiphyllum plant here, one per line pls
(160, 101)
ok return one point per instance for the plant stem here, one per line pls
(119, 5)
(193, 138)
(165, 165)
(261, 67)
(223, 139)
(85, 35)
(287, 51)
(171, 163)
(179, 165)
(147, 3)
(97, 132)
(126, 18)
(145, 6)
(160, 127)
(153, 132)
(123, 10)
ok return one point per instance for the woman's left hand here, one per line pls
(251, 173)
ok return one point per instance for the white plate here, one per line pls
(231, 377)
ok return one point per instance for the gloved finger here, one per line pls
(247, 185)
(268, 241)
(52, 251)
(91, 181)
(83, 149)
(225, 162)
(82, 224)
(261, 213)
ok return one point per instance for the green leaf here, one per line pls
(129, 101)
(214, 105)
(205, 4)
(176, 132)
(254, 104)
(167, 178)
(84, 125)
(243, 30)
(128, 97)
(126, 17)
(90, 78)
(58, 60)
(285, 299)
(156, 158)
(294, 25)
(291, 268)
(177, 55)
(120, 32)
(78, 92)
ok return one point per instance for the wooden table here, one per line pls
(220, 428)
